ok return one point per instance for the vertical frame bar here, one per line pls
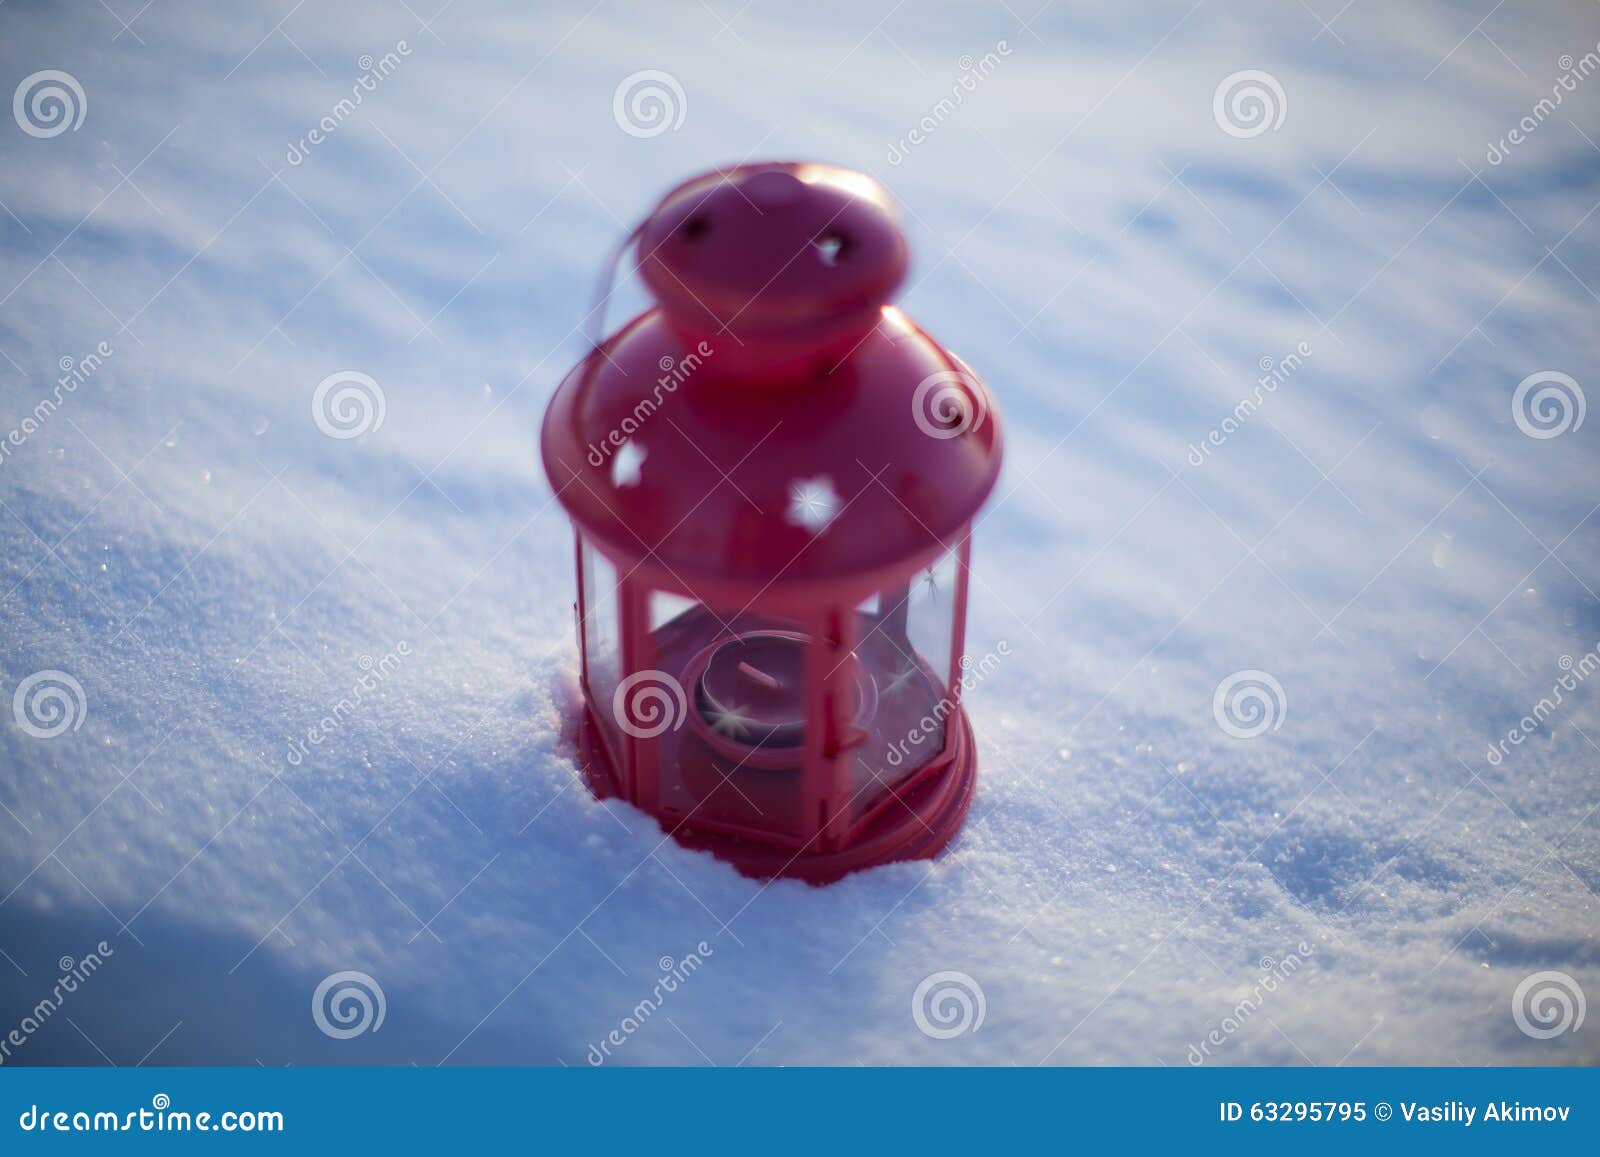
(636, 652)
(958, 626)
(580, 608)
(827, 779)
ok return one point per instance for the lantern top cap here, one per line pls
(772, 250)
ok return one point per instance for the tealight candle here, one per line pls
(753, 689)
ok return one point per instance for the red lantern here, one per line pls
(773, 475)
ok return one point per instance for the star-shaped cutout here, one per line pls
(625, 466)
(813, 503)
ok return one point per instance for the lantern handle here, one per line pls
(594, 321)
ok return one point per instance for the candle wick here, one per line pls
(761, 677)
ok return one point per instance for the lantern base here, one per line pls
(931, 814)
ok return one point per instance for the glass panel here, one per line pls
(930, 619)
(733, 763)
(904, 648)
(602, 652)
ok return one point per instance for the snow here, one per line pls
(1379, 536)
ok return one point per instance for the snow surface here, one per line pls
(1379, 536)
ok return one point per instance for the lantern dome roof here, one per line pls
(724, 485)
(758, 460)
